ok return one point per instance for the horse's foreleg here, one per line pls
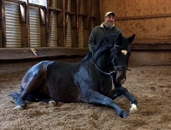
(97, 98)
(123, 91)
(119, 90)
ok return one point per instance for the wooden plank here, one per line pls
(74, 17)
(54, 9)
(150, 20)
(49, 21)
(156, 16)
(27, 53)
(2, 24)
(74, 23)
(96, 12)
(43, 27)
(150, 58)
(43, 36)
(61, 23)
(50, 26)
(87, 13)
(33, 53)
(86, 37)
(25, 28)
(151, 47)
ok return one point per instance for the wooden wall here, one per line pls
(26, 26)
(150, 20)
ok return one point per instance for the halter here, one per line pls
(114, 68)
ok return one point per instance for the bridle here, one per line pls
(106, 73)
(115, 68)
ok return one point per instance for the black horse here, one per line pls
(88, 80)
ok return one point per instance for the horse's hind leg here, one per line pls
(28, 87)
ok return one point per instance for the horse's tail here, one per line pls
(19, 102)
(14, 96)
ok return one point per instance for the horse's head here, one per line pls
(112, 54)
(120, 54)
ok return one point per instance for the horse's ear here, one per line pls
(131, 38)
(120, 38)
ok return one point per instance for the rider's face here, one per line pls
(109, 20)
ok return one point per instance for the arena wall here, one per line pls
(150, 20)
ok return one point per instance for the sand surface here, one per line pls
(151, 85)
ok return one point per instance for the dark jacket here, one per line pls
(99, 32)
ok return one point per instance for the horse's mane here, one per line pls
(105, 40)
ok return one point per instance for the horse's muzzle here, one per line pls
(120, 77)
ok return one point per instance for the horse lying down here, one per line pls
(88, 80)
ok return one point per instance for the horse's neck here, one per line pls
(102, 61)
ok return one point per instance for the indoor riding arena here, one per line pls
(58, 30)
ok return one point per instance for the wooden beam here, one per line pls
(25, 27)
(34, 53)
(151, 47)
(49, 3)
(61, 23)
(43, 27)
(74, 23)
(87, 13)
(97, 12)
(86, 22)
(2, 24)
(143, 17)
(43, 52)
(54, 9)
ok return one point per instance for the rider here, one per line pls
(106, 28)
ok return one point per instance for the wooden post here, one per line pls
(2, 24)
(86, 23)
(24, 26)
(74, 23)
(61, 23)
(96, 12)
(49, 21)
(43, 28)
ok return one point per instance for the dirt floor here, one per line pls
(151, 85)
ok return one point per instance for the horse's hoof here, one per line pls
(18, 108)
(52, 103)
(133, 108)
(123, 114)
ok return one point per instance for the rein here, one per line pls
(106, 73)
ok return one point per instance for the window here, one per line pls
(39, 2)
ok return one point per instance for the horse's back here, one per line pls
(60, 81)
